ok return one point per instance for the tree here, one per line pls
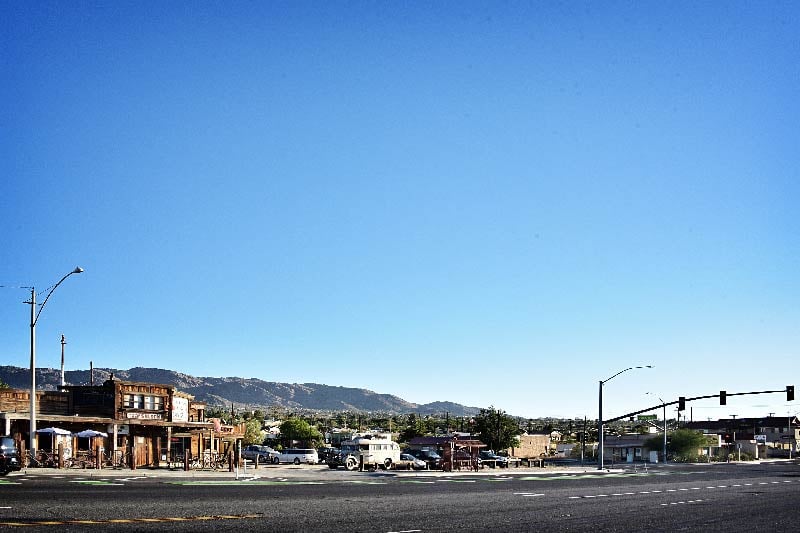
(252, 432)
(497, 430)
(682, 442)
(414, 429)
(4, 385)
(295, 429)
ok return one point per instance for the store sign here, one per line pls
(144, 416)
(180, 409)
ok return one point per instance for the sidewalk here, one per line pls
(289, 472)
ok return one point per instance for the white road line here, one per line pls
(532, 495)
(680, 503)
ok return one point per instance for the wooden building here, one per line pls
(147, 424)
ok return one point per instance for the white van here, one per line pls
(298, 455)
(368, 452)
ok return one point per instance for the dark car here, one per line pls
(327, 455)
(9, 456)
(491, 459)
(431, 457)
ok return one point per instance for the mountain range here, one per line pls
(242, 393)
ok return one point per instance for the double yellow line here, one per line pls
(131, 520)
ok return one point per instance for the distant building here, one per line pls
(531, 446)
(768, 436)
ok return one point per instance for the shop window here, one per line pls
(140, 401)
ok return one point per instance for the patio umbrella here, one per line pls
(89, 434)
(53, 431)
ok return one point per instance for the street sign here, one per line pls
(648, 417)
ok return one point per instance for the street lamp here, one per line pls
(35, 318)
(664, 405)
(600, 416)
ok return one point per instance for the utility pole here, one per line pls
(63, 342)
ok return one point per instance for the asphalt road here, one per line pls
(718, 498)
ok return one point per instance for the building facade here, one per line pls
(145, 424)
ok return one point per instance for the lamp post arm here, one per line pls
(617, 374)
(77, 270)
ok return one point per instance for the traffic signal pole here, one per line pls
(789, 390)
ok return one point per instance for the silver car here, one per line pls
(264, 454)
(416, 464)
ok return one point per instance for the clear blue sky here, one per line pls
(487, 203)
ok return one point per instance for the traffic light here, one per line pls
(681, 403)
(789, 393)
(723, 397)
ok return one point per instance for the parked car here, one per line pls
(327, 454)
(431, 458)
(265, 454)
(9, 456)
(297, 456)
(416, 464)
(491, 459)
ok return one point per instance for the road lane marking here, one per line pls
(591, 496)
(142, 520)
(679, 503)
